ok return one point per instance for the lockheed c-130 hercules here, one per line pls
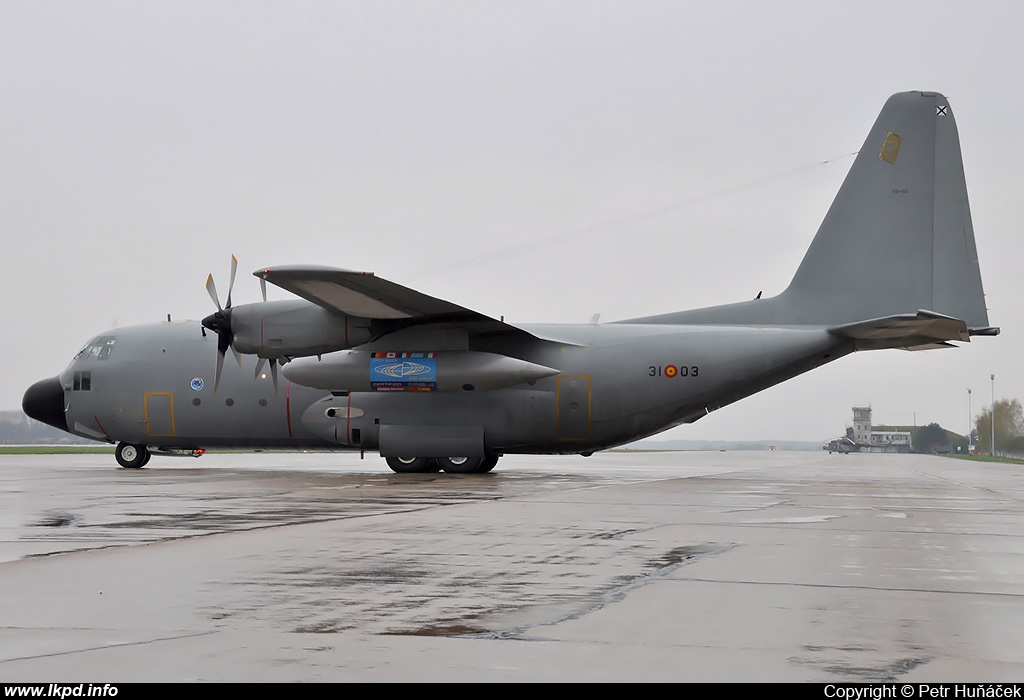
(375, 366)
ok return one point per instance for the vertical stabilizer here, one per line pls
(898, 237)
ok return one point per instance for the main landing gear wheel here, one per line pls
(460, 465)
(488, 464)
(409, 465)
(131, 456)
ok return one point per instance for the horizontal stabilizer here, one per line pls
(921, 331)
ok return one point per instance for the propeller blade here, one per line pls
(263, 287)
(223, 342)
(220, 367)
(212, 289)
(238, 355)
(231, 284)
(273, 371)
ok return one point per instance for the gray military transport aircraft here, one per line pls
(372, 365)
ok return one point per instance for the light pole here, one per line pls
(993, 415)
(970, 425)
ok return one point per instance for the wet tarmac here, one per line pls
(686, 566)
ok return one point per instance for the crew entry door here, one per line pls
(159, 414)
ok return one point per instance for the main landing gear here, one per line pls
(131, 456)
(451, 465)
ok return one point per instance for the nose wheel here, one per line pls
(131, 456)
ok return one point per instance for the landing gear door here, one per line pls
(574, 408)
(431, 441)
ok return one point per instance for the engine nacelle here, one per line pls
(295, 328)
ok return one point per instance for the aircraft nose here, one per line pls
(44, 401)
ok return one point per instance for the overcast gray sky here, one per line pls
(544, 161)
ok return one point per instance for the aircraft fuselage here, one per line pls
(153, 385)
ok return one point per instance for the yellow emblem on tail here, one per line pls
(890, 149)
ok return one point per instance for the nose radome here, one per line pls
(44, 401)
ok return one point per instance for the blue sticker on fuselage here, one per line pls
(196, 383)
(403, 371)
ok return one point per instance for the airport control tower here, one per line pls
(862, 424)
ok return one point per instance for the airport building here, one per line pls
(870, 440)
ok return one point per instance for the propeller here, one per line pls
(273, 370)
(220, 322)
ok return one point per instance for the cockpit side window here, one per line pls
(98, 348)
(82, 381)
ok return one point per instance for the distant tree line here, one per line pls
(1009, 427)
(934, 438)
(1009, 432)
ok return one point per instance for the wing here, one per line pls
(365, 295)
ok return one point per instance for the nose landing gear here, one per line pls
(131, 456)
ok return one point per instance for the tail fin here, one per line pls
(898, 238)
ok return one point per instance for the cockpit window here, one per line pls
(98, 348)
(83, 381)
